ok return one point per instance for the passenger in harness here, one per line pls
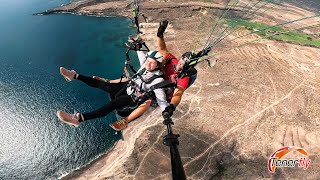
(173, 72)
(123, 93)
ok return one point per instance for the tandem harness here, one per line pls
(137, 89)
(137, 94)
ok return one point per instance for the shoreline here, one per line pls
(106, 166)
(103, 165)
(75, 7)
(77, 172)
(125, 7)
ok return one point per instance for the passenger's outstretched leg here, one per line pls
(112, 88)
(77, 118)
(117, 103)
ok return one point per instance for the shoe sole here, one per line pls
(116, 129)
(69, 123)
(65, 77)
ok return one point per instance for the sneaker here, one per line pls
(71, 119)
(69, 75)
(119, 125)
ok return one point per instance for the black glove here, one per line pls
(162, 28)
(169, 110)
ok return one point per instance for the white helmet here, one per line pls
(156, 55)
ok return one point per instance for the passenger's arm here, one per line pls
(160, 94)
(161, 98)
(110, 81)
(118, 80)
(142, 57)
(139, 111)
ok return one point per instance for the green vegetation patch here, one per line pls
(277, 33)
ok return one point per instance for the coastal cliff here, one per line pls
(254, 100)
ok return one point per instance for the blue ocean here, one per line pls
(34, 143)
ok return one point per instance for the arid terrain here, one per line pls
(255, 99)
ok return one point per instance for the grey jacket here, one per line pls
(159, 93)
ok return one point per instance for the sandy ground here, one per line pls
(256, 99)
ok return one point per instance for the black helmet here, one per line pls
(187, 56)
